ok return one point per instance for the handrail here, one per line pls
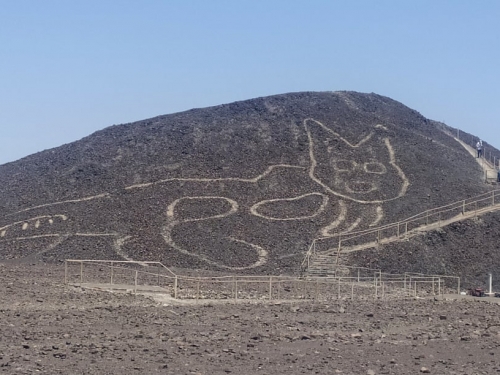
(475, 199)
(423, 215)
(431, 216)
(121, 261)
(371, 283)
(310, 252)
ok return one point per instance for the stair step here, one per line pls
(328, 261)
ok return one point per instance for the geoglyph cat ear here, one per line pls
(314, 124)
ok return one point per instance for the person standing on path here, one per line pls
(479, 148)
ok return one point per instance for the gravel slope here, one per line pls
(241, 187)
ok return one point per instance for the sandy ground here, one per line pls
(49, 328)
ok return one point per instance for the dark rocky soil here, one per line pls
(49, 328)
(244, 186)
(469, 248)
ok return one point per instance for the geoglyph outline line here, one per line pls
(325, 231)
(262, 254)
(324, 203)
(392, 161)
(62, 235)
(380, 215)
(234, 207)
(117, 245)
(232, 202)
(104, 195)
(62, 216)
(354, 225)
(326, 128)
(251, 180)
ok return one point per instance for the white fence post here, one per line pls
(270, 288)
(175, 287)
(135, 282)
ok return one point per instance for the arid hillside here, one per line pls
(239, 187)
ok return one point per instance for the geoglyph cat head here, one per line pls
(364, 170)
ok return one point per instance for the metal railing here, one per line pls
(489, 153)
(363, 284)
(403, 229)
(116, 269)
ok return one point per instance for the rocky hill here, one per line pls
(240, 187)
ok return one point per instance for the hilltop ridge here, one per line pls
(244, 186)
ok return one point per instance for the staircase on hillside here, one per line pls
(490, 172)
(321, 265)
(331, 262)
(490, 164)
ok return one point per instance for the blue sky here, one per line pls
(69, 68)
